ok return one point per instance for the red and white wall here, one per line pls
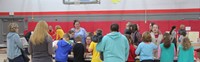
(46, 7)
(165, 13)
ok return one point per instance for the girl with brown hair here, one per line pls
(186, 51)
(146, 48)
(166, 50)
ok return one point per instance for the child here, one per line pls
(59, 32)
(92, 48)
(166, 50)
(78, 50)
(63, 48)
(71, 33)
(88, 41)
(146, 48)
(97, 38)
(185, 51)
(180, 39)
(132, 55)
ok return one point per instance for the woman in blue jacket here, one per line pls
(14, 44)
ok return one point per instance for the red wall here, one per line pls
(164, 25)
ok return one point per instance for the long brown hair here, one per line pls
(40, 32)
(166, 40)
(133, 28)
(130, 40)
(186, 43)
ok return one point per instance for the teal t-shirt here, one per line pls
(167, 54)
(185, 55)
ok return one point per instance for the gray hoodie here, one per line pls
(13, 45)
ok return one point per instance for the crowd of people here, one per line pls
(113, 47)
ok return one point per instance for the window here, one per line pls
(81, 1)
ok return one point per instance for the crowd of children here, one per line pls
(149, 46)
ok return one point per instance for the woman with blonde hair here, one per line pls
(41, 44)
(59, 32)
(186, 51)
(14, 44)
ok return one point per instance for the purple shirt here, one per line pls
(81, 32)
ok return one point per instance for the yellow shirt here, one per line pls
(95, 53)
(59, 34)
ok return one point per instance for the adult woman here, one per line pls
(151, 26)
(135, 34)
(182, 30)
(156, 35)
(127, 30)
(79, 31)
(173, 35)
(41, 44)
(14, 44)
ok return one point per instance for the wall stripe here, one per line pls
(99, 12)
(4, 13)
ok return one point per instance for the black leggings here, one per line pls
(147, 60)
(175, 44)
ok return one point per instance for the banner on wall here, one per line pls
(188, 28)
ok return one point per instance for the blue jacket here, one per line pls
(115, 47)
(62, 51)
(13, 45)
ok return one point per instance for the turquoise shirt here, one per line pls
(146, 51)
(167, 54)
(115, 47)
(185, 55)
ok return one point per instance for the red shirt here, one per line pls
(156, 36)
(52, 34)
(132, 54)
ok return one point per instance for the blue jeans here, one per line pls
(17, 59)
